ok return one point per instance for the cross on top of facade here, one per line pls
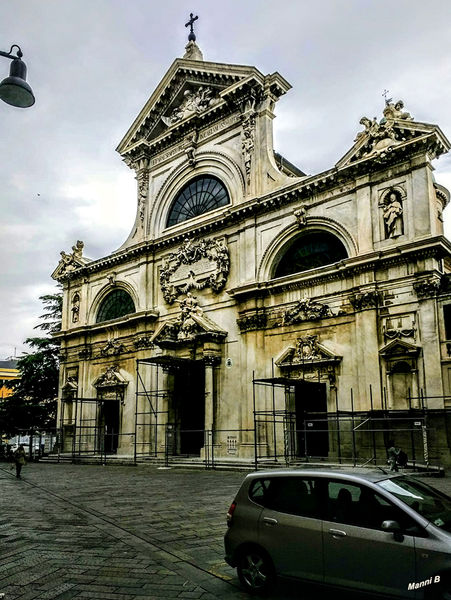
(191, 36)
(384, 94)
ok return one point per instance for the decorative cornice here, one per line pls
(131, 319)
(435, 247)
(250, 321)
(297, 191)
(366, 299)
(428, 286)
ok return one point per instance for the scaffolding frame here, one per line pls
(89, 437)
(376, 424)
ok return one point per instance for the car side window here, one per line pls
(258, 491)
(292, 495)
(363, 507)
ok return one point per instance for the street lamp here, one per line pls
(14, 89)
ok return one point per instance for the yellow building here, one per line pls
(8, 372)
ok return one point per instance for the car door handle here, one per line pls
(337, 533)
(269, 521)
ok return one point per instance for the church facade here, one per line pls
(256, 311)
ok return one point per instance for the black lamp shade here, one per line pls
(14, 89)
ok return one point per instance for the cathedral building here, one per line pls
(256, 312)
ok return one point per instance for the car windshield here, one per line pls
(428, 502)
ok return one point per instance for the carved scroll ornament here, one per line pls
(195, 266)
(306, 309)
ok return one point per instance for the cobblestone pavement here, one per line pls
(120, 533)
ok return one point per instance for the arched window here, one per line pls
(310, 251)
(117, 304)
(199, 196)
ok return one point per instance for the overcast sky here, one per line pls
(92, 65)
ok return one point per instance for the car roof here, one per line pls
(354, 474)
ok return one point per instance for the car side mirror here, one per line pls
(395, 528)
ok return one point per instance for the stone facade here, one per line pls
(335, 281)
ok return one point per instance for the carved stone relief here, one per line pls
(247, 143)
(301, 216)
(363, 300)
(111, 378)
(427, 287)
(399, 327)
(112, 348)
(143, 192)
(190, 149)
(306, 349)
(190, 325)
(195, 265)
(70, 262)
(143, 342)
(306, 309)
(85, 353)
(252, 321)
(382, 135)
(194, 102)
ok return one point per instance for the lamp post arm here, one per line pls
(10, 54)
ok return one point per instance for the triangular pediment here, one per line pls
(70, 262)
(307, 351)
(379, 140)
(190, 326)
(192, 88)
(399, 348)
(110, 378)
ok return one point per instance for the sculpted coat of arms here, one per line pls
(196, 265)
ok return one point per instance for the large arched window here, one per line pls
(310, 251)
(200, 195)
(117, 304)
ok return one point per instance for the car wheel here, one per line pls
(255, 570)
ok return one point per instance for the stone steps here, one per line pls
(225, 464)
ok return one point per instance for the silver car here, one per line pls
(360, 529)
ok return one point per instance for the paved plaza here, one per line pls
(119, 533)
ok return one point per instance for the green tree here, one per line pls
(32, 405)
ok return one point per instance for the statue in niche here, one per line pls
(392, 212)
(75, 307)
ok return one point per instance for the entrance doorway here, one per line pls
(311, 419)
(189, 407)
(109, 424)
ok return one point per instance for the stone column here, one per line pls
(209, 394)
(389, 391)
(210, 404)
(415, 391)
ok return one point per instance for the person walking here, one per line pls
(19, 459)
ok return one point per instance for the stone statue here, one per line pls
(394, 111)
(77, 250)
(75, 307)
(189, 305)
(301, 216)
(393, 215)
